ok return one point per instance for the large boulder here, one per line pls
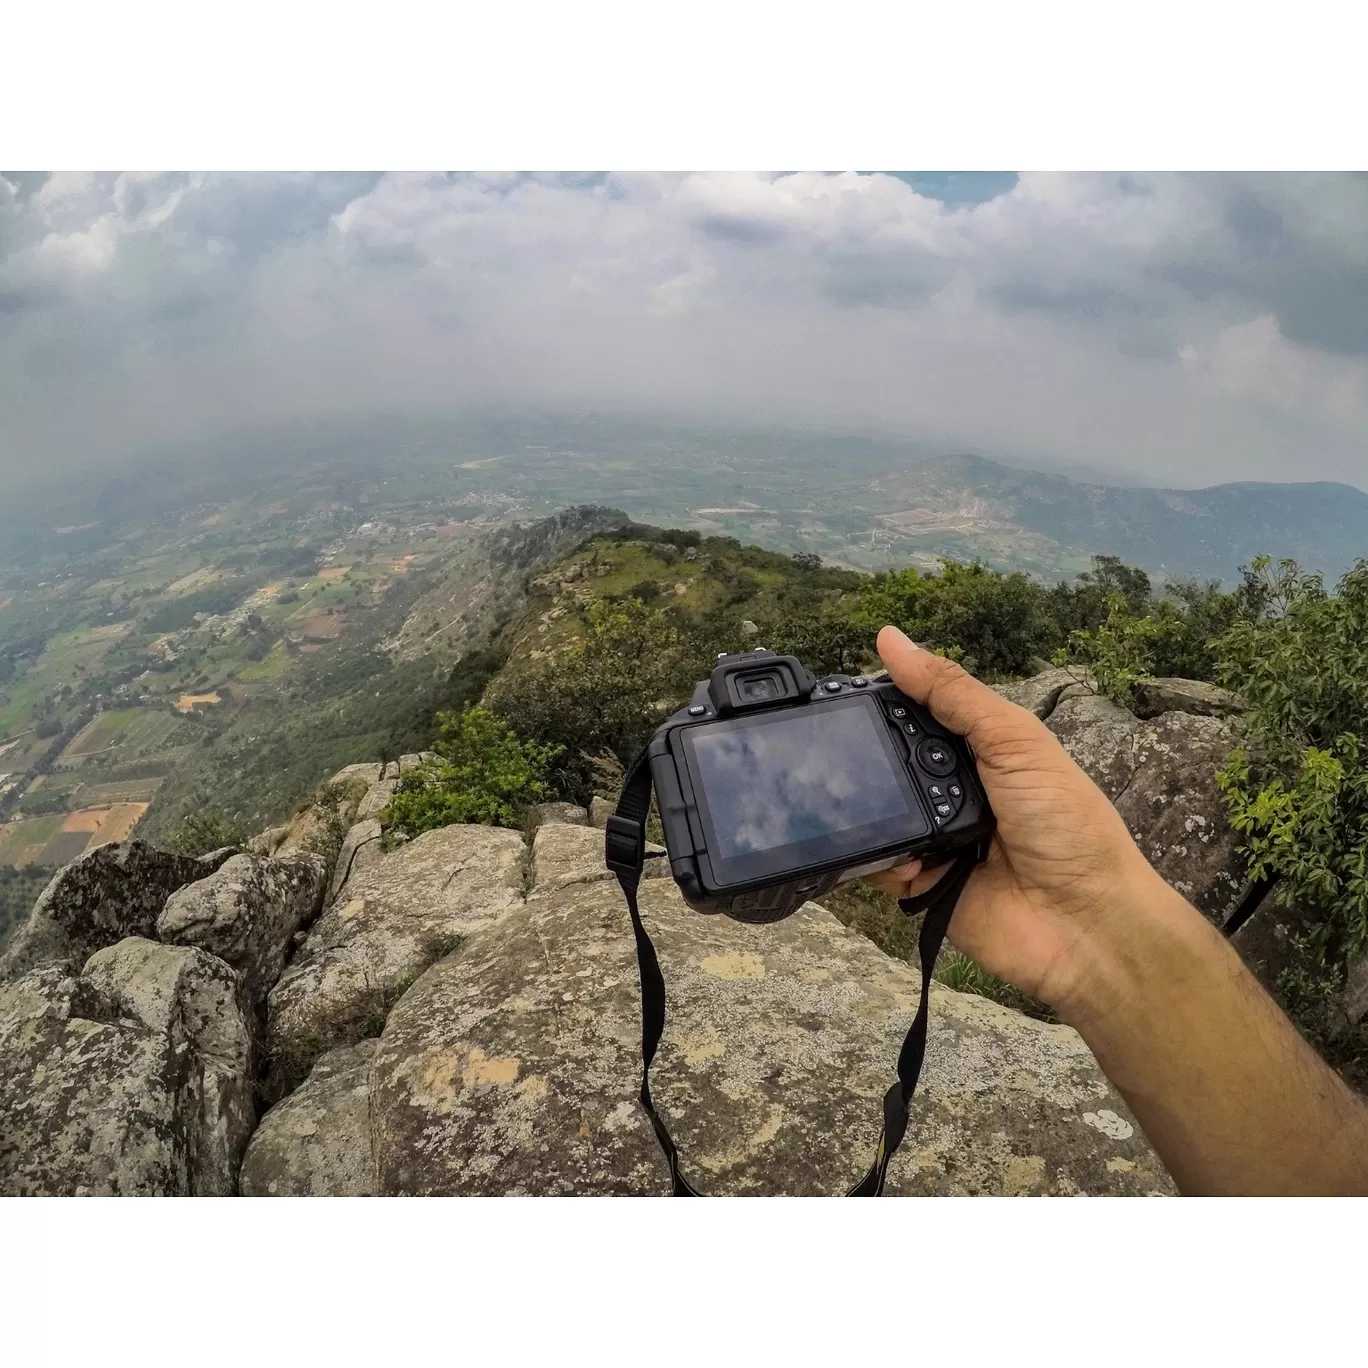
(1041, 693)
(102, 896)
(394, 916)
(131, 1078)
(545, 814)
(1161, 775)
(247, 914)
(316, 1143)
(380, 781)
(319, 826)
(512, 1066)
(360, 846)
(563, 855)
(1188, 696)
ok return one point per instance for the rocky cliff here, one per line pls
(460, 1015)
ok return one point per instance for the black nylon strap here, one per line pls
(632, 807)
(938, 902)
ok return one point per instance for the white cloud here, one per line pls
(1200, 328)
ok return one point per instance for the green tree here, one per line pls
(1085, 604)
(1203, 612)
(827, 643)
(484, 773)
(197, 833)
(607, 690)
(1118, 656)
(1298, 786)
(995, 624)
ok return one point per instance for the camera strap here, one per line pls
(625, 848)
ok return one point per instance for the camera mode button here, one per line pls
(697, 710)
(936, 757)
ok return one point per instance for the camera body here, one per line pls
(774, 786)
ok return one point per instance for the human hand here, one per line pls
(1051, 905)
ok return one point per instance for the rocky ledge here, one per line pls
(318, 1015)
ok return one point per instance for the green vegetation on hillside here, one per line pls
(19, 889)
(483, 773)
(613, 638)
(1298, 787)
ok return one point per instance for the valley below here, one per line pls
(217, 632)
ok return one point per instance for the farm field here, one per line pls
(146, 629)
(55, 839)
(298, 589)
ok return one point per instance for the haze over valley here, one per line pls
(277, 452)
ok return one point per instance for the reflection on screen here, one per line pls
(801, 775)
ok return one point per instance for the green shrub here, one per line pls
(197, 833)
(995, 624)
(484, 773)
(607, 691)
(1116, 657)
(1085, 604)
(827, 642)
(1297, 788)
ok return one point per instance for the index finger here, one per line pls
(955, 697)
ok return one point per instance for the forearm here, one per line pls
(1232, 1098)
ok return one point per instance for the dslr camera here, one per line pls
(773, 786)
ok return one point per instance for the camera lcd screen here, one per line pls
(795, 777)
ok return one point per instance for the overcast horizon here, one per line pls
(1189, 329)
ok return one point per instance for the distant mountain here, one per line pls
(971, 506)
(1118, 476)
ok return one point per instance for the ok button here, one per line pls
(936, 757)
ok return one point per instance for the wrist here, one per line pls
(1146, 943)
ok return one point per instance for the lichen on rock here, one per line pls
(392, 917)
(513, 1066)
(102, 896)
(131, 1078)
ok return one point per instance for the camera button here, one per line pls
(697, 710)
(832, 686)
(910, 728)
(935, 791)
(936, 757)
(858, 682)
(944, 810)
(898, 713)
(955, 791)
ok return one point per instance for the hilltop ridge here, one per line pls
(966, 506)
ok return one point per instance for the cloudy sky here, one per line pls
(1194, 328)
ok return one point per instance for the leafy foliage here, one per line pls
(994, 624)
(1117, 657)
(827, 642)
(608, 690)
(19, 890)
(1298, 788)
(197, 833)
(484, 773)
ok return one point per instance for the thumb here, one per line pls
(954, 696)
